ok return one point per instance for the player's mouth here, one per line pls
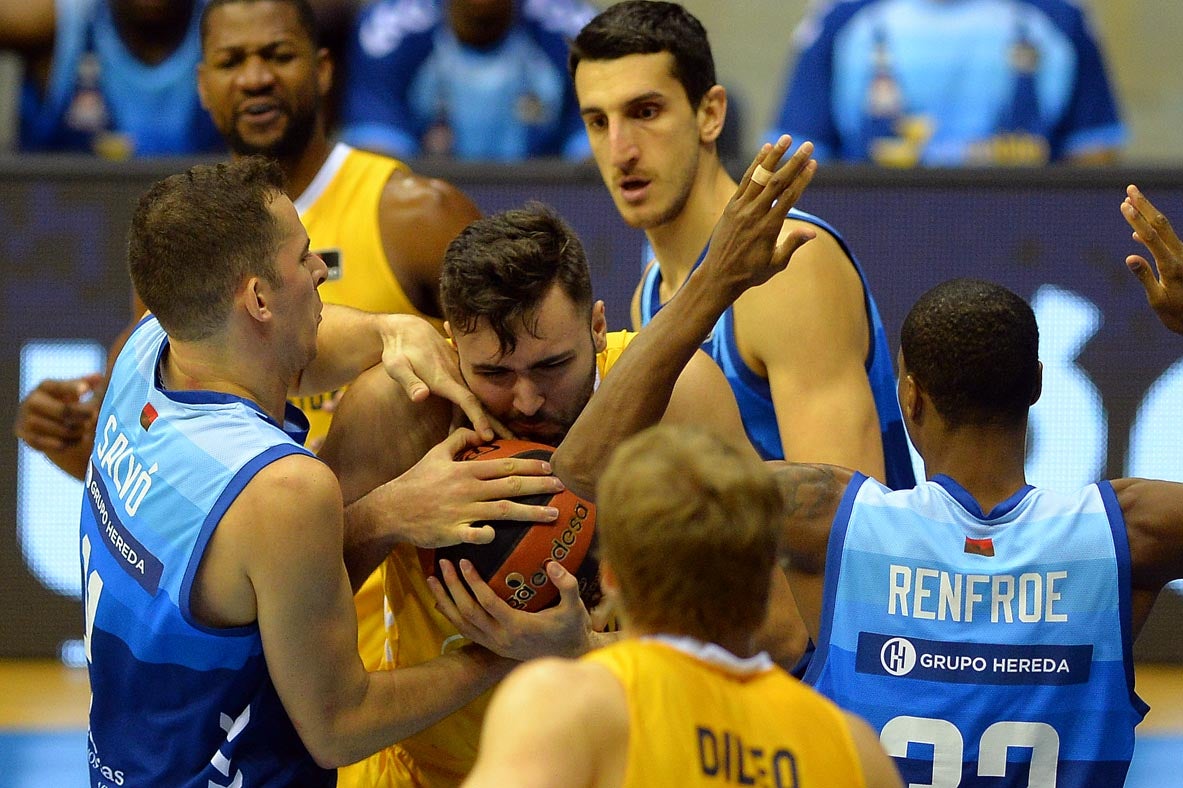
(260, 113)
(633, 189)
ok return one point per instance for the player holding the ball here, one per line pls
(533, 346)
(689, 530)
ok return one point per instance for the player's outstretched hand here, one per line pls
(438, 499)
(423, 363)
(484, 618)
(744, 250)
(58, 419)
(1164, 290)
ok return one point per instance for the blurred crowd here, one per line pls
(891, 82)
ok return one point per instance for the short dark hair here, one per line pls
(304, 14)
(646, 27)
(973, 346)
(501, 267)
(195, 236)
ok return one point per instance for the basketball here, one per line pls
(514, 563)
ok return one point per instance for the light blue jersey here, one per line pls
(987, 649)
(175, 702)
(101, 98)
(754, 395)
(414, 89)
(949, 83)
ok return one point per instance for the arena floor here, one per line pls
(43, 726)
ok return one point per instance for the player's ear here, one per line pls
(911, 402)
(599, 326)
(324, 72)
(448, 331)
(257, 299)
(712, 112)
(1038, 385)
(201, 94)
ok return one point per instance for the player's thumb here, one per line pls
(1140, 268)
(566, 582)
(459, 440)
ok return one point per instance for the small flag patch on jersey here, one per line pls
(980, 546)
(148, 415)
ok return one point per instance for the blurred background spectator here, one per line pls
(951, 82)
(472, 79)
(114, 77)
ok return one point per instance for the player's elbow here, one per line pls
(332, 751)
(576, 470)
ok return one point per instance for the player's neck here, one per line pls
(300, 170)
(678, 243)
(213, 366)
(988, 462)
(152, 42)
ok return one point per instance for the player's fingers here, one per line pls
(493, 607)
(1145, 274)
(446, 607)
(455, 601)
(789, 181)
(757, 161)
(566, 582)
(34, 425)
(796, 188)
(509, 467)
(457, 441)
(505, 510)
(1153, 230)
(459, 395)
(797, 237)
(475, 534)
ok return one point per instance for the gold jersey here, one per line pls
(443, 754)
(699, 716)
(339, 210)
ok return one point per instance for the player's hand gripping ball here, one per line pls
(514, 563)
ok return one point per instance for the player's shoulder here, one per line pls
(584, 685)
(412, 198)
(294, 480)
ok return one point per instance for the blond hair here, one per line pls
(691, 527)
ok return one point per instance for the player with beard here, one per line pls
(380, 228)
(533, 346)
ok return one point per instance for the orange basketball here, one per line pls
(514, 563)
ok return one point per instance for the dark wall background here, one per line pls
(61, 249)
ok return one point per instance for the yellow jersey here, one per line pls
(339, 209)
(699, 716)
(443, 754)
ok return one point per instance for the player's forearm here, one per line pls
(405, 701)
(348, 342)
(367, 540)
(635, 395)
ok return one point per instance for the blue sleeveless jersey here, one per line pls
(987, 649)
(96, 86)
(754, 395)
(175, 702)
